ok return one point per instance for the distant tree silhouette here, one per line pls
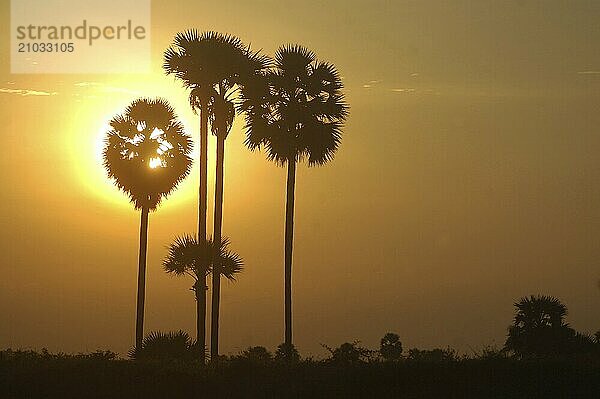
(295, 111)
(349, 353)
(214, 66)
(146, 154)
(256, 354)
(193, 257)
(390, 347)
(287, 353)
(177, 345)
(539, 328)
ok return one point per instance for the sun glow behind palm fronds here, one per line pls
(155, 163)
(87, 130)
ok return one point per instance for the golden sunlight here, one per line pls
(155, 162)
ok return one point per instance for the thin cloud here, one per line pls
(87, 84)
(371, 83)
(106, 89)
(27, 92)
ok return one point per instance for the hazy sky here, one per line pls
(469, 175)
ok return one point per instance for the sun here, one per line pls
(85, 135)
(155, 162)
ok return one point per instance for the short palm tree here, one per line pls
(169, 346)
(193, 257)
(296, 112)
(146, 154)
(539, 326)
(213, 66)
(540, 311)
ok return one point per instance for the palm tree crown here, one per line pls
(147, 153)
(297, 109)
(188, 256)
(539, 311)
(213, 66)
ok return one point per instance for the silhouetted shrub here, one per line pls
(349, 353)
(287, 353)
(158, 345)
(539, 329)
(257, 354)
(432, 355)
(44, 354)
(390, 347)
(492, 353)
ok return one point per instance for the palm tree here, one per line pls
(539, 326)
(160, 346)
(193, 257)
(540, 311)
(146, 154)
(213, 66)
(296, 112)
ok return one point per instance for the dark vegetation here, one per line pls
(255, 373)
(542, 358)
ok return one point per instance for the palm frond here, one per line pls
(231, 264)
(296, 110)
(187, 255)
(213, 66)
(160, 346)
(147, 153)
(228, 262)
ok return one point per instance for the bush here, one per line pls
(432, 355)
(491, 353)
(169, 346)
(390, 347)
(287, 353)
(349, 353)
(256, 354)
(44, 354)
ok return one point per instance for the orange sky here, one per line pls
(468, 176)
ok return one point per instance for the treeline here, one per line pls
(539, 330)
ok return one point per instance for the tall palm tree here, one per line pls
(193, 257)
(296, 112)
(146, 154)
(213, 66)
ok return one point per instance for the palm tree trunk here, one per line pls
(201, 292)
(141, 288)
(289, 239)
(203, 174)
(216, 275)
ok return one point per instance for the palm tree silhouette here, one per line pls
(213, 66)
(146, 154)
(296, 112)
(539, 326)
(539, 311)
(193, 257)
